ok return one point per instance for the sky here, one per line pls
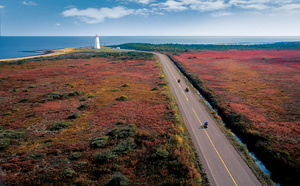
(150, 17)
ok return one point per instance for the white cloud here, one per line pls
(142, 1)
(255, 6)
(209, 5)
(171, 5)
(57, 24)
(220, 14)
(1, 6)
(201, 5)
(93, 15)
(288, 9)
(29, 3)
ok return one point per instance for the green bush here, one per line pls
(39, 156)
(7, 114)
(155, 88)
(11, 134)
(126, 132)
(55, 95)
(71, 85)
(75, 156)
(81, 164)
(125, 147)
(74, 116)
(4, 143)
(82, 106)
(23, 100)
(113, 132)
(83, 99)
(30, 114)
(103, 156)
(99, 142)
(121, 122)
(118, 179)
(16, 109)
(89, 95)
(58, 125)
(68, 173)
(122, 98)
(126, 85)
(115, 90)
(161, 153)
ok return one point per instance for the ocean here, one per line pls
(21, 46)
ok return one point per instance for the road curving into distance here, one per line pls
(222, 163)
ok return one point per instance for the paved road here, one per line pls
(222, 163)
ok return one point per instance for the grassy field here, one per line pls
(92, 118)
(257, 94)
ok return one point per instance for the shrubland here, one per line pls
(256, 92)
(92, 119)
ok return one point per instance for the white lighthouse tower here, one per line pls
(97, 43)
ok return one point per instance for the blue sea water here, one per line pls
(18, 46)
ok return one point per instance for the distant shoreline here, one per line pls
(46, 53)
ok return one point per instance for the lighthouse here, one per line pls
(97, 43)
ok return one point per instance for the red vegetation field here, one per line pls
(261, 86)
(88, 121)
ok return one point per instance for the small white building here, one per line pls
(97, 43)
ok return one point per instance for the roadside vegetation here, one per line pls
(255, 89)
(256, 94)
(85, 118)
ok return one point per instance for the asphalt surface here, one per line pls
(223, 165)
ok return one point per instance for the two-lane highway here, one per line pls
(222, 163)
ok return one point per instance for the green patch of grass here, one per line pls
(74, 156)
(29, 115)
(7, 114)
(71, 85)
(14, 90)
(122, 98)
(11, 134)
(55, 95)
(74, 116)
(125, 85)
(103, 157)
(83, 98)
(4, 143)
(124, 132)
(155, 88)
(99, 142)
(89, 95)
(23, 100)
(68, 173)
(118, 179)
(125, 146)
(115, 90)
(58, 125)
(82, 106)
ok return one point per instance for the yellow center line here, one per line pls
(215, 148)
(176, 80)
